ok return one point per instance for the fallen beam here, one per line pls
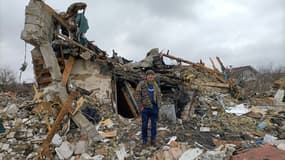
(64, 110)
(213, 64)
(67, 70)
(129, 101)
(65, 38)
(219, 85)
(209, 70)
(221, 64)
(131, 91)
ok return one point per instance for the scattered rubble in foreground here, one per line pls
(83, 106)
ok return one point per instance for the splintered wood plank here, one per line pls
(209, 70)
(108, 134)
(131, 91)
(114, 95)
(64, 110)
(67, 70)
(38, 94)
(219, 85)
(79, 103)
(63, 37)
(213, 65)
(129, 101)
(221, 64)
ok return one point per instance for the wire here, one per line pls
(25, 64)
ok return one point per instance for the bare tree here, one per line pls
(266, 77)
(7, 79)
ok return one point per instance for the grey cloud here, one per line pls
(170, 8)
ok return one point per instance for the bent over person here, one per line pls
(148, 96)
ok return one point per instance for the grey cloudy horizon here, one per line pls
(240, 32)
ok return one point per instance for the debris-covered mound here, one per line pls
(209, 133)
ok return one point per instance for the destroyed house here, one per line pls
(79, 76)
(64, 60)
(244, 73)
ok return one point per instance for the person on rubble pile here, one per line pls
(148, 97)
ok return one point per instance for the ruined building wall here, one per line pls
(39, 30)
(38, 27)
(86, 75)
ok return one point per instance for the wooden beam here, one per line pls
(38, 95)
(209, 70)
(79, 104)
(221, 64)
(178, 59)
(213, 64)
(189, 62)
(67, 70)
(108, 134)
(65, 38)
(64, 110)
(214, 84)
(131, 91)
(130, 104)
(114, 94)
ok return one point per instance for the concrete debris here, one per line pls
(172, 139)
(121, 152)
(269, 139)
(65, 150)
(5, 147)
(81, 147)
(238, 110)
(222, 152)
(205, 129)
(85, 156)
(56, 140)
(108, 134)
(173, 151)
(281, 146)
(168, 112)
(11, 110)
(279, 96)
(84, 107)
(191, 154)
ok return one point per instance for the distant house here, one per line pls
(244, 73)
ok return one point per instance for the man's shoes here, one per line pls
(144, 145)
(153, 143)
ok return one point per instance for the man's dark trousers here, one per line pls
(152, 114)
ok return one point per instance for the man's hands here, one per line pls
(141, 107)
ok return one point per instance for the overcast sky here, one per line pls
(240, 32)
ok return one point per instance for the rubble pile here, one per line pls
(27, 127)
(84, 107)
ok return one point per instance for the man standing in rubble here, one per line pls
(148, 96)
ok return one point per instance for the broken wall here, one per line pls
(87, 75)
(39, 31)
(38, 24)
